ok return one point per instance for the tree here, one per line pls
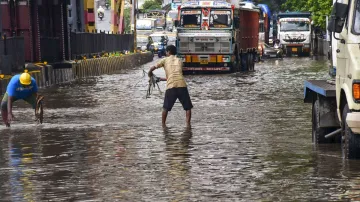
(151, 4)
(127, 20)
(319, 9)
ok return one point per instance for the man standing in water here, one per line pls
(176, 87)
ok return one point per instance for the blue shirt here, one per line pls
(15, 89)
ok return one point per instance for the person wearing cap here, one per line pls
(20, 87)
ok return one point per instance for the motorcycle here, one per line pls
(107, 6)
(101, 15)
(161, 50)
(278, 48)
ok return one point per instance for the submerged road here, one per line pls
(103, 141)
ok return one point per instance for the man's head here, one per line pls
(25, 79)
(170, 50)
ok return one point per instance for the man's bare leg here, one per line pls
(188, 118)
(164, 116)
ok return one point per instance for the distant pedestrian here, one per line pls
(176, 87)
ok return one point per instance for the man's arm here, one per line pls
(9, 104)
(160, 64)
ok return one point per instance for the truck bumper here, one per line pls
(221, 69)
(206, 63)
(297, 48)
(353, 121)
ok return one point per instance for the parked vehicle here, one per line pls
(145, 26)
(142, 42)
(336, 101)
(210, 36)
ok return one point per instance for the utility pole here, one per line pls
(133, 21)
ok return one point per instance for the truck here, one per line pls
(217, 36)
(294, 32)
(159, 16)
(145, 26)
(170, 19)
(336, 101)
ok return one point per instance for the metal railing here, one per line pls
(87, 44)
(12, 54)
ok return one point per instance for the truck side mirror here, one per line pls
(338, 17)
(176, 23)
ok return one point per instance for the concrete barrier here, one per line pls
(59, 73)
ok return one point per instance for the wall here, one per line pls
(60, 73)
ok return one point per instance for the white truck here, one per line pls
(336, 102)
(145, 26)
(294, 32)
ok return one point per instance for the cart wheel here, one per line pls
(39, 109)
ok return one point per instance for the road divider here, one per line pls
(47, 75)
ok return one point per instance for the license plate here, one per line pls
(204, 62)
(294, 49)
(272, 56)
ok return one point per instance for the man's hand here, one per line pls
(10, 117)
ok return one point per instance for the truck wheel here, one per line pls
(318, 133)
(351, 142)
(252, 62)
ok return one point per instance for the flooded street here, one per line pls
(250, 140)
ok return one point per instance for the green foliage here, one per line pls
(152, 4)
(127, 19)
(319, 9)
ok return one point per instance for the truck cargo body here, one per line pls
(216, 36)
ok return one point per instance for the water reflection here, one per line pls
(21, 173)
(177, 160)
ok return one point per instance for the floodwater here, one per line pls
(250, 141)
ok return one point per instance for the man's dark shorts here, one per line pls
(177, 93)
(31, 100)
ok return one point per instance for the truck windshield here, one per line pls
(190, 18)
(156, 39)
(220, 19)
(294, 26)
(356, 26)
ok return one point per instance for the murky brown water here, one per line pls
(103, 141)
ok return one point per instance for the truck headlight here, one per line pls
(356, 91)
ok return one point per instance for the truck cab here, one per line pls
(336, 102)
(294, 32)
(217, 36)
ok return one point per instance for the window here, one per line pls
(261, 27)
(356, 25)
(220, 19)
(294, 26)
(190, 18)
